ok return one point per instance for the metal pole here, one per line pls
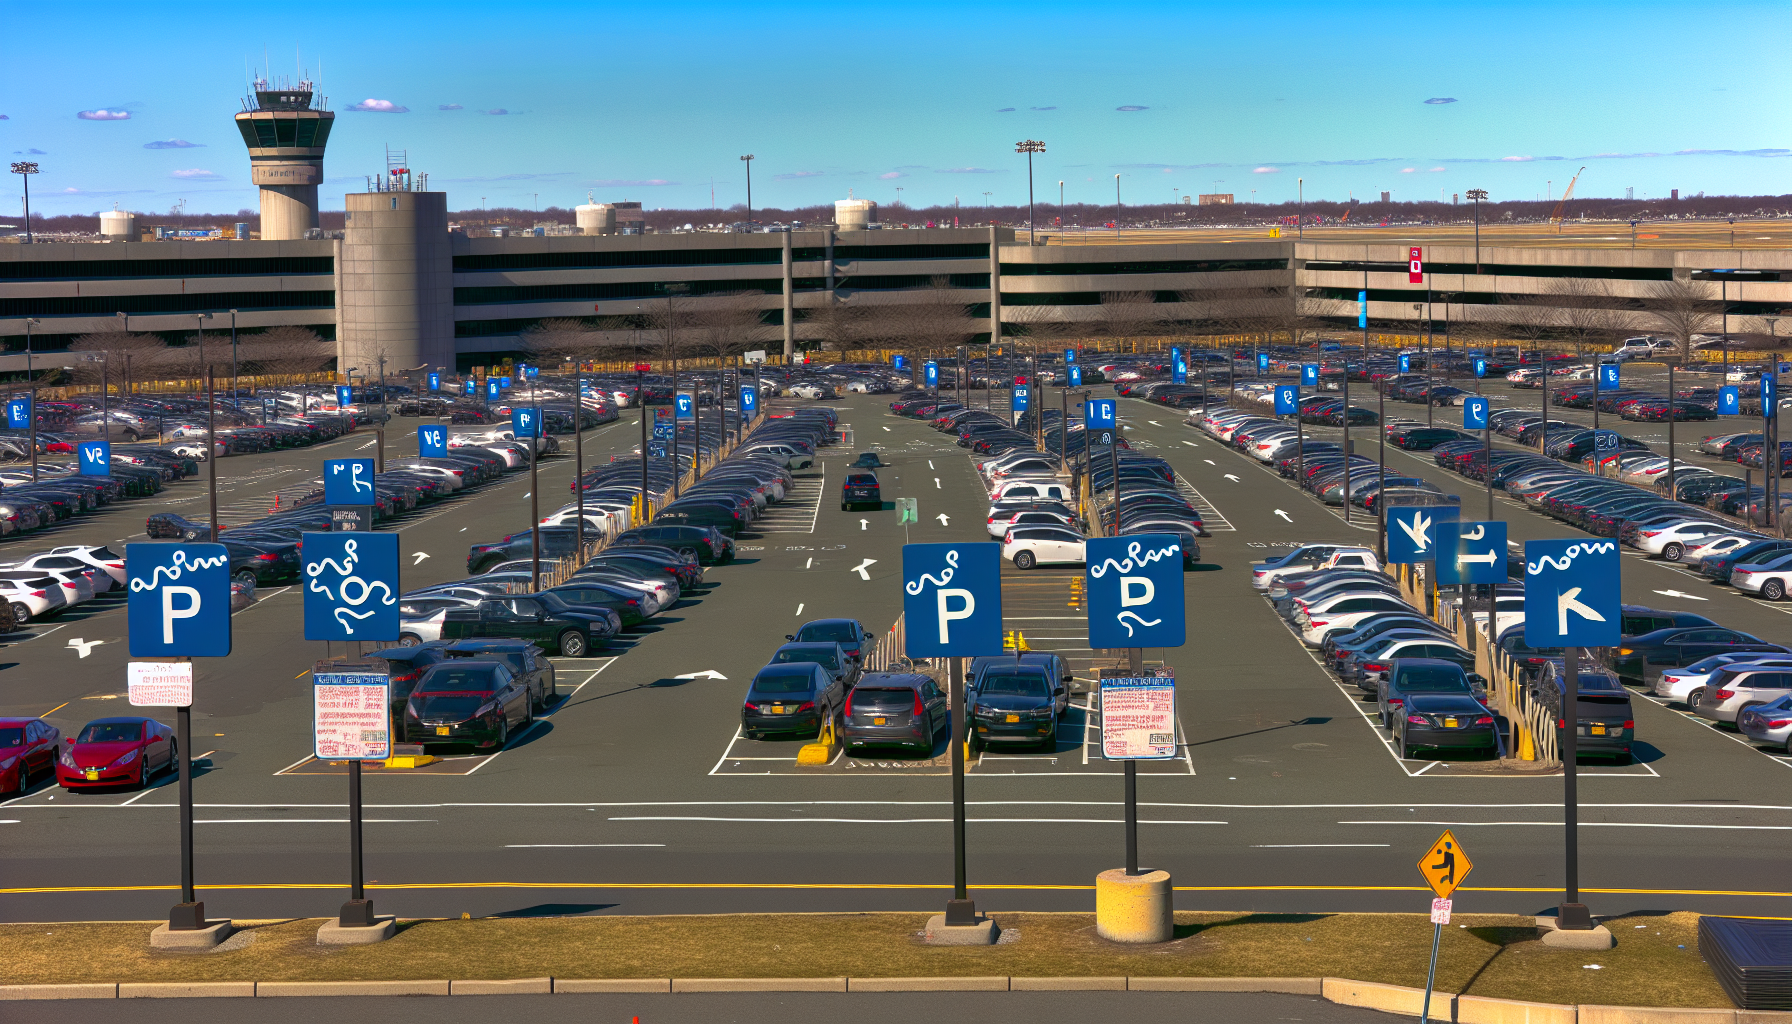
(1381, 431)
(1673, 490)
(379, 433)
(961, 910)
(1344, 350)
(641, 397)
(535, 437)
(1437, 933)
(32, 385)
(1572, 914)
(1114, 462)
(578, 448)
(211, 448)
(1487, 475)
(1136, 661)
(189, 914)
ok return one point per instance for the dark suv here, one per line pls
(1014, 703)
(860, 489)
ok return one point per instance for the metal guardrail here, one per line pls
(887, 652)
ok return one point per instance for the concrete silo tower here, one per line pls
(285, 130)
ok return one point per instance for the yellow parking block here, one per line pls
(411, 760)
(822, 751)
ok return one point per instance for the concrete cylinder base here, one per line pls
(1134, 908)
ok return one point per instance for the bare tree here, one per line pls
(671, 328)
(935, 319)
(727, 325)
(285, 352)
(119, 350)
(839, 326)
(562, 340)
(1680, 308)
(1132, 314)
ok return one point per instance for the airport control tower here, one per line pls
(285, 131)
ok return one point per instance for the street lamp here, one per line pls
(1061, 221)
(1029, 147)
(1300, 207)
(748, 160)
(1118, 207)
(31, 322)
(24, 169)
(1477, 194)
(233, 389)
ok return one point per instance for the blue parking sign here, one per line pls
(1098, 414)
(1134, 587)
(1021, 394)
(899, 362)
(492, 389)
(18, 413)
(1479, 555)
(1406, 362)
(933, 374)
(1608, 376)
(1769, 400)
(749, 400)
(1605, 440)
(525, 422)
(685, 406)
(178, 603)
(351, 586)
(504, 382)
(1179, 371)
(1287, 399)
(345, 396)
(952, 599)
(432, 441)
(1175, 354)
(1263, 362)
(1480, 366)
(1729, 400)
(348, 481)
(1069, 356)
(1474, 412)
(435, 382)
(1572, 596)
(1415, 531)
(1076, 376)
(1309, 375)
(470, 388)
(96, 458)
(531, 372)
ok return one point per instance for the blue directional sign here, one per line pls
(525, 422)
(351, 586)
(1362, 310)
(1605, 440)
(1729, 400)
(1134, 587)
(531, 372)
(952, 599)
(657, 449)
(1769, 400)
(432, 441)
(1571, 593)
(435, 382)
(504, 382)
(95, 457)
(686, 407)
(663, 431)
(1069, 356)
(1179, 371)
(18, 413)
(899, 362)
(1406, 362)
(1608, 376)
(1021, 395)
(469, 388)
(1479, 556)
(1076, 376)
(1098, 414)
(1474, 412)
(1287, 399)
(348, 481)
(933, 374)
(1175, 354)
(1480, 366)
(492, 389)
(1414, 531)
(345, 396)
(1263, 362)
(749, 400)
(179, 600)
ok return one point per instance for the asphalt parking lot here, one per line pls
(636, 794)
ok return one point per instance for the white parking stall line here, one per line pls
(799, 510)
(1211, 518)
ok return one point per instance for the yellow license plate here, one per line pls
(1598, 730)
(780, 711)
(880, 721)
(443, 730)
(1449, 723)
(93, 776)
(1012, 718)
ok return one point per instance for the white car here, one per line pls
(1671, 541)
(1005, 519)
(420, 618)
(1769, 579)
(195, 449)
(595, 518)
(1030, 487)
(1343, 558)
(813, 391)
(448, 476)
(76, 586)
(79, 556)
(1722, 544)
(1686, 684)
(33, 599)
(1343, 611)
(1031, 546)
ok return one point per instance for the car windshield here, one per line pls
(111, 732)
(459, 680)
(1012, 684)
(784, 683)
(11, 738)
(827, 632)
(828, 656)
(1432, 679)
(452, 707)
(869, 698)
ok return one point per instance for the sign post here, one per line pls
(952, 603)
(1444, 866)
(351, 720)
(1474, 417)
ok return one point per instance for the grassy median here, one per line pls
(1656, 961)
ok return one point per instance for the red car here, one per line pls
(116, 752)
(28, 748)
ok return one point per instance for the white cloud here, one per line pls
(892, 175)
(1266, 170)
(1516, 159)
(1437, 100)
(796, 174)
(196, 174)
(496, 111)
(629, 182)
(104, 115)
(173, 144)
(1132, 107)
(1435, 170)
(448, 106)
(373, 106)
(966, 170)
(1408, 170)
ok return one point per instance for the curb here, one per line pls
(1293, 986)
(266, 989)
(758, 984)
(970, 984)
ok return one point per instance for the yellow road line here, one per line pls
(918, 886)
(55, 709)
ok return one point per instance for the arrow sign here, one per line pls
(864, 524)
(1474, 552)
(418, 557)
(1487, 557)
(1676, 593)
(1210, 462)
(1416, 532)
(706, 674)
(942, 518)
(1569, 601)
(1571, 594)
(1419, 529)
(1284, 515)
(1231, 478)
(862, 566)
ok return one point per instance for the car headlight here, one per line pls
(8, 763)
(67, 759)
(984, 712)
(1041, 713)
(125, 758)
(488, 709)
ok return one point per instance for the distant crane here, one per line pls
(1556, 214)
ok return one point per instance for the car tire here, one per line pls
(572, 644)
(409, 640)
(1773, 590)
(1693, 698)
(20, 615)
(1024, 560)
(1673, 552)
(243, 576)
(503, 733)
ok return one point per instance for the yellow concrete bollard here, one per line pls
(1134, 908)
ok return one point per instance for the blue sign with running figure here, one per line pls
(1287, 399)
(932, 371)
(1263, 362)
(530, 372)
(435, 382)
(1069, 356)
(1406, 362)
(1480, 366)
(899, 362)
(492, 389)
(1021, 394)
(1309, 375)
(351, 586)
(178, 600)
(749, 400)
(1608, 376)
(1134, 588)
(95, 458)
(1572, 595)
(952, 599)
(1098, 414)
(348, 481)
(432, 441)
(345, 396)
(18, 413)
(1479, 555)
(1729, 400)
(1179, 371)
(469, 388)
(525, 422)
(1474, 412)
(685, 405)
(1769, 396)
(1416, 531)
(1076, 376)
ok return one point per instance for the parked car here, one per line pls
(894, 708)
(29, 747)
(1410, 676)
(1644, 657)
(468, 701)
(1013, 702)
(1736, 688)
(798, 696)
(525, 662)
(545, 618)
(126, 750)
(850, 634)
(1769, 724)
(1031, 546)
(1604, 721)
(1444, 721)
(860, 489)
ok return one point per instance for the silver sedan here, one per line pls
(1768, 724)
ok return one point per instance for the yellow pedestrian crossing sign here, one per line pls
(1445, 865)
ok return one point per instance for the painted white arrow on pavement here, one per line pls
(418, 557)
(1210, 462)
(1676, 593)
(936, 483)
(1284, 515)
(85, 647)
(1191, 444)
(862, 566)
(1154, 423)
(943, 520)
(864, 524)
(706, 674)
(1232, 478)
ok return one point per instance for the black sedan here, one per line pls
(1444, 721)
(467, 701)
(797, 696)
(1644, 657)
(525, 661)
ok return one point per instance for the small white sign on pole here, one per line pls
(160, 684)
(1138, 719)
(1440, 911)
(351, 714)
(755, 356)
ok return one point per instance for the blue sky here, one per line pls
(651, 102)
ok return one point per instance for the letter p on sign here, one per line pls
(947, 615)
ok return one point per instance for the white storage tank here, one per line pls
(118, 224)
(595, 218)
(855, 214)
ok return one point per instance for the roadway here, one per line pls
(635, 795)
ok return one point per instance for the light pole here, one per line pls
(1061, 221)
(31, 322)
(1300, 207)
(24, 169)
(1119, 206)
(748, 160)
(1029, 147)
(1477, 194)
